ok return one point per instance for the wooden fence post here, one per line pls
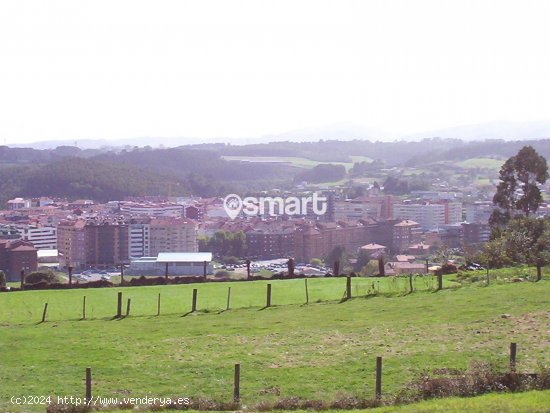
(119, 306)
(84, 308)
(166, 272)
(427, 266)
(128, 307)
(22, 279)
(488, 276)
(439, 281)
(158, 305)
(513, 351)
(336, 269)
(348, 287)
(410, 283)
(194, 303)
(268, 298)
(88, 385)
(121, 274)
(248, 269)
(237, 383)
(44, 312)
(378, 390)
(204, 266)
(228, 297)
(70, 269)
(307, 293)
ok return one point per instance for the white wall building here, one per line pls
(429, 216)
(349, 210)
(43, 238)
(179, 263)
(479, 212)
(152, 209)
(18, 203)
(139, 240)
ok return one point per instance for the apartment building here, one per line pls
(92, 243)
(316, 240)
(163, 209)
(18, 203)
(376, 207)
(405, 234)
(172, 235)
(479, 212)
(271, 240)
(17, 256)
(429, 215)
(475, 233)
(106, 243)
(71, 243)
(139, 239)
(42, 237)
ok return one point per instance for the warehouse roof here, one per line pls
(184, 257)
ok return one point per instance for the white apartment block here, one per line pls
(173, 235)
(429, 216)
(18, 203)
(43, 238)
(347, 210)
(479, 212)
(152, 209)
(139, 240)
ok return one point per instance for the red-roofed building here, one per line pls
(17, 256)
(405, 234)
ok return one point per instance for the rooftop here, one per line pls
(184, 257)
(373, 246)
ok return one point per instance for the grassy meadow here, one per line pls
(322, 350)
(297, 161)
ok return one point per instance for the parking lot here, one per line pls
(274, 266)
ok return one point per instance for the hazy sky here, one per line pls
(122, 69)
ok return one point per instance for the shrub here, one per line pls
(480, 378)
(48, 277)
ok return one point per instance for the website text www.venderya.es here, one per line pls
(102, 401)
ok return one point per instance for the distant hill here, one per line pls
(203, 170)
(343, 131)
(506, 130)
(335, 131)
(83, 178)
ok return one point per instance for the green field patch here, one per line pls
(321, 350)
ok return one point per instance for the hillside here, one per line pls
(324, 350)
(83, 178)
(217, 169)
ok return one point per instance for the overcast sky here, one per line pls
(123, 69)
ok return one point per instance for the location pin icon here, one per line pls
(233, 204)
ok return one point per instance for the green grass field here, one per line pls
(296, 161)
(487, 163)
(323, 350)
(527, 402)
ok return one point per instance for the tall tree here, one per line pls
(525, 240)
(338, 253)
(518, 192)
